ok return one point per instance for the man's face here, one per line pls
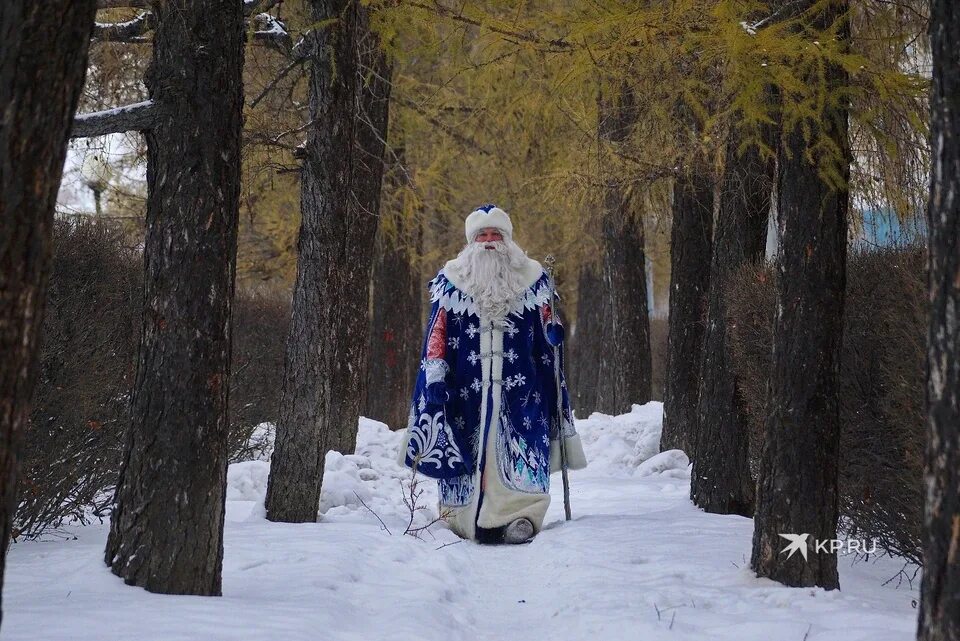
(488, 235)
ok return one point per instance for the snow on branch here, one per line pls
(249, 6)
(128, 31)
(268, 28)
(122, 4)
(785, 12)
(135, 117)
(272, 32)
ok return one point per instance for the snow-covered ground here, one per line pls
(638, 562)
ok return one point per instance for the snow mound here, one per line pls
(247, 481)
(670, 463)
(371, 480)
(343, 484)
(373, 475)
(618, 445)
(353, 484)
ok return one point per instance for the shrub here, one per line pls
(881, 387)
(260, 321)
(74, 442)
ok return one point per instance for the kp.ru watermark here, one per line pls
(800, 543)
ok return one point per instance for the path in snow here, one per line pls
(637, 562)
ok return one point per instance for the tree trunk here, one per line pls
(43, 57)
(394, 324)
(721, 480)
(797, 485)
(586, 344)
(625, 370)
(690, 248)
(940, 587)
(166, 533)
(339, 198)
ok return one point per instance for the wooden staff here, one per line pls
(554, 318)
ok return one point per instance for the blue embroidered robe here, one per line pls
(448, 442)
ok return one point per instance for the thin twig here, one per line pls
(382, 524)
(445, 545)
(558, 45)
(277, 80)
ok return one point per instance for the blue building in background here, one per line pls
(882, 228)
(872, 228)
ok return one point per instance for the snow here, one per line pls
(96, 115)
(638, 561)
(268, 25)
(128, 24)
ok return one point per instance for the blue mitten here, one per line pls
(437, 393)
(555, 334)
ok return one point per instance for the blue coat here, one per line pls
(447, 441)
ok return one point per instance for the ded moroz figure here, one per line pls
(484, 418)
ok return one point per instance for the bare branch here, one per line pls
(383, 526)
(252, 6)
(277, 80)
(136, 117)
(249, 6)
(453, 133)
(304, 47)
(785, 12)
(556, 44)
(290, 132)
(272, 32)
(123, 4)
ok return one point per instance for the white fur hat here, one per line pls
(488, 216)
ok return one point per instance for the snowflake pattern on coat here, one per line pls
(444, 441)
(524, 465)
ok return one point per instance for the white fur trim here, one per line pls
(436, 369)
(576, 459)
(480, 219)
(402, 450)
(532, 272)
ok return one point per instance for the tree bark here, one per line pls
(940, 588)
(339, 195)
(395, 322)
(797, 484)
(721, 481)
(166, 532)
(587, 342)
(625, 372)
(139, 116)
(690, 249)
(43, 58)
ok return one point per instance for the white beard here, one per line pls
(492, 277)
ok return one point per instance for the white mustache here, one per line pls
(490, 276)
